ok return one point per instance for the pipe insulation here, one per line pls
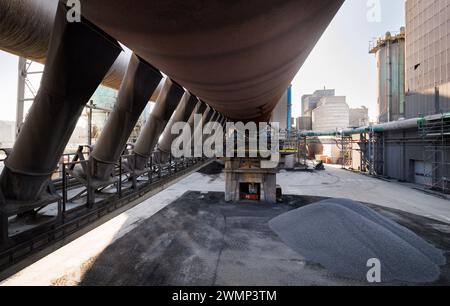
(139, 83)
(165, 105)
(25, 30)
(78, 58)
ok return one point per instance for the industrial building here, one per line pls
(427, 58)
(418, 152)
(309, 102)
(359, 117)
(135, 161)
(324, 111)
(331, 113)
(390, 56)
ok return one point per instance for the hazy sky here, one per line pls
(340, 60)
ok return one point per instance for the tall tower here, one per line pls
(390, 55)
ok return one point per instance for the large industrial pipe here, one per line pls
(25, 30)
(139, 83)
(378, 128)
(167, 102)
(254, 47)
(79, 56)
(182, 114)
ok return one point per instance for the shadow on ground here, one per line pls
(201, 240)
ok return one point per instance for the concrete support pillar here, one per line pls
(182, 114)
(139, 83)
(167, 102)
(79, 57)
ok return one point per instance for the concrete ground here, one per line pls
(183, 244)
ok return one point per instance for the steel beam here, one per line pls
(167, 102)
(79, 56)
(141, 80)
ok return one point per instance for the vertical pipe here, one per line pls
(20, 93)
(389, 79)
(289, 109)
(79, 56)
(140, 81)
(166, 104)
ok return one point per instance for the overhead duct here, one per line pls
(167, 102)
(139, 83)
(255, 47)
(237, 56)
(79, 56)
(25, 30)
(182, 114)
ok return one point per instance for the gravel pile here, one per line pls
(342, 235)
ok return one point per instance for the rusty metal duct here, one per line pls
(139, 83)
(167, 102)
(182, 114)
(79, 56)
(237, 56)
(25, 30)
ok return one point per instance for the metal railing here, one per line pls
(89, 203)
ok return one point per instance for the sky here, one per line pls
(340, 60)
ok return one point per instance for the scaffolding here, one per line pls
(435, 135)
(26, 92)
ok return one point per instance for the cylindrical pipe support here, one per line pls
(139, 83)
(165, 106)
(79, 57)
(182, 114)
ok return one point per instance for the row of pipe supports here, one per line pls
(79, 57)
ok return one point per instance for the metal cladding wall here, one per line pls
(238, 56)
(331, 113)
(427, 57)
(403, 148)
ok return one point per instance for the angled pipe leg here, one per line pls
(182, 114)
(166, 104)
(141, 80)
(79, 56)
